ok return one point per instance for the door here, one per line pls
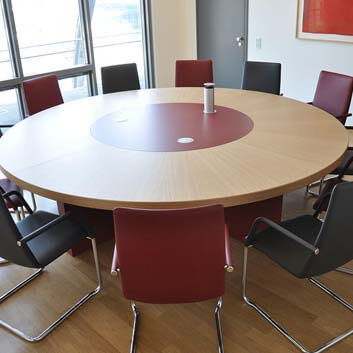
(221, 36)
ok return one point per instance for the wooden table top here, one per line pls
(54, 154)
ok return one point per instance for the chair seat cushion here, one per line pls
(285, 251)
(55, 241)
(7, 185)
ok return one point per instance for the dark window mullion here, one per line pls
(86, 17)
(146, 27)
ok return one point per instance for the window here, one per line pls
(117, 35)
(74, 88)
(51, 37)
(9, 108)
(6, 71)
(70, 38)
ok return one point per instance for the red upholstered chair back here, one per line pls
(42, 93)
(334, 94)
(171, 256)
(193, 73)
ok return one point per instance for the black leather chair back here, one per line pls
(335, 240)
(262, 77)
(120, 78)
(9, 235)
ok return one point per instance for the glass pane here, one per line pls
(74, 88)
(49, 35)
(117, 35)
(5, 62)
(9, 108)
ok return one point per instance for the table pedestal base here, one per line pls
(238, 218)
(100, 222)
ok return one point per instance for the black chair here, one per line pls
(120, 78)
(14, 204)
(35, 242)
(262, 77)
(6, 185)
(2, 190)
(321, 204)
(346, 166)
(307, 247)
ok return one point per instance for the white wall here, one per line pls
(174, 36)
(275, 22)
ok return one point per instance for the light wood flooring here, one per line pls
(104, 324)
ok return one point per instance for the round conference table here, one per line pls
(155, 148)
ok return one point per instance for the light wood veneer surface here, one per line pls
(54, 155)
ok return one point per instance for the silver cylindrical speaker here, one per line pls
(208, 98)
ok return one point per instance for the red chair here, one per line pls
(172, 256)
(334, 94)
(193, 73)
(42, 93)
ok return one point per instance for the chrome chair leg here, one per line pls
(20, 285)
(332, 294)
(137, 320)
(346, 270)
(18, 215)
(218, 326)
(320, 183)
(64, 316)
(34, 203)
(283, 331)
(23, 213)
(135, 328)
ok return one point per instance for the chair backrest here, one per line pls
(335, 240)
(42, 93)
(8, 241)
(334, 94)
(119, 78)
(262, 77)
(193, 73)
(171, 256)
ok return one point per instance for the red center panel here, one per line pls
(171, 127)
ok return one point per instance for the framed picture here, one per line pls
(325, 20)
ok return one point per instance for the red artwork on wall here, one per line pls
(328, 17)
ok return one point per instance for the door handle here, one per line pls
(240, 41)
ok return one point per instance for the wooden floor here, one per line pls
(103, 325)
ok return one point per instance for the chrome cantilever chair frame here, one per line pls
(64, 316)
(345, 270)
(137, 320)
(280, 328)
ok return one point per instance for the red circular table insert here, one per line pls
(171, 127)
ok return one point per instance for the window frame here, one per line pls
(88, 69)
